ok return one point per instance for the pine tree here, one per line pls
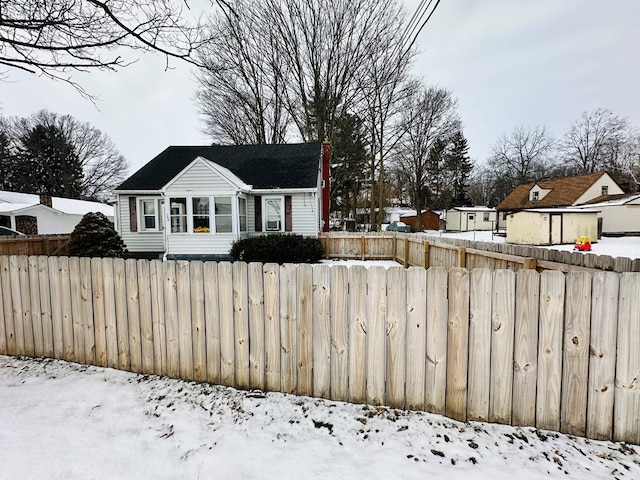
(95, 236)
(459, 166)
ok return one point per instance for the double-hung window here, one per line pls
(223, 215)
(201, 217)
(273, 214)
(150, 214)
(178, 215)
(242, 214)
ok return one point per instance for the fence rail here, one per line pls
(546, 349)
(35, 245)
(417, 249)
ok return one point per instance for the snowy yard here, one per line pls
(66, 421)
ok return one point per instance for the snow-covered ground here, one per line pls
(66, 421)
(614, 246)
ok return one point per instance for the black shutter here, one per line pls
(288, 221)
(258, 213)
(133, 215)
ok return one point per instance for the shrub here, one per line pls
(95, 236)
(277, 248)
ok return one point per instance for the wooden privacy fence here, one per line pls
(416, 249)
(549, 350)
(35, 245)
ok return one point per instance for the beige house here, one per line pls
(467, 219)
(618, 214)
(551, 226)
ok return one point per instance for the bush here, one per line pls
(95, 236)
(277, 248)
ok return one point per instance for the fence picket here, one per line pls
(256, 326)
(45, 306)
(575, 368)
(172, 328)
(480, 289)
(437, 320)
(288, 331)
(198, 328)
(525, 354)
(7, 307)
(133, 315)
(76, 309)
(502, 332)
(271, 279)
(36, 309)
(241, 323)
(626, 426)
(376, 341)
(339, 313)
(212, 321)
(121, 317)
(602, 359)
(396, 336)
(304, 328)
(156, 278)
(227, 339)
(321, 333)
(358, 327)
(146, 315)
(550, 350)
(66, 310)
(99, 321)
(86, 311)
(185, 337)
(16, 301)
(457, 344)
(416, 337)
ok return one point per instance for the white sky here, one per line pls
(509, 63)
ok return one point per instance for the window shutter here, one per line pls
(288, 221)
(133, 215)
(258, 213)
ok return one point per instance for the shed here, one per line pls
(551, 226)
(465, 219)
(430, 221)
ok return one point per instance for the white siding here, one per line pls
(596, 189)
(199, 177)
(305, 215)
(620, 218)
(453, 220)
(533, 228)
(136, 241)
(199, 243)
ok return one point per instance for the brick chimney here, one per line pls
(46, 200)
(326, 186)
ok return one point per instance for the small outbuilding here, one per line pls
(551, 226)
(430, 221)
(467, 219)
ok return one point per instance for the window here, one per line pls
(273, 214)
(223, 217)
(486, 217)
(178, 215)
(201, 219)
(471, 217)
(604, 190)
(535, 196)
(242, 214)
(150, 214)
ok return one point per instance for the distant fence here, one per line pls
(415, 249)
(34, 245)
(546, 349)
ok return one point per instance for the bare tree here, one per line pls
(56, 37)
(102, 166)
(431, 119)
(522, 156)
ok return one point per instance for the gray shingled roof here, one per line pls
(263, 166)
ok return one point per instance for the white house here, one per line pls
(42, 214)
(195, 201)
(618, 214)
(465, 219)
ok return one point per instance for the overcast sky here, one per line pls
(509, 63)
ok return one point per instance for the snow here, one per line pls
(67, 421)
(66, 205)
(614, 246)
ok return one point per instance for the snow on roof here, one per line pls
(620, 200)
(65, 205)
(561, 210)
(474, 209)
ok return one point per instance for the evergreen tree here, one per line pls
(46, 162)
(459, 167)
(95, 236)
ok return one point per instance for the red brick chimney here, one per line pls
(46, 200)
(326, 186)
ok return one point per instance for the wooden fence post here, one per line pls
(405, 259)
(461, 261)
(425, 246)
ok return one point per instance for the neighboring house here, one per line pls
(563, 192)
(195, 201)
(618, 214)
(430, 220)
(43, 214)
(551, 226)
(466, 219)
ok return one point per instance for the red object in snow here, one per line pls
(583, 244)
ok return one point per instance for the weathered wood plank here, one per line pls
(121, 318)
(626, 425)
(602, 363)
(480, 289)
(437, 321)
(525, 354)
(67, 312)
(172, 328)
(77, 314)
(185, 337)
(146, 315)
(7, 306)
(99, 320)
(416, 337)
(551, 318)
(86, 311)
(358, 325)
(110, 312)
(36, 309)
(575, 368)
(271, 280)
(198, 328)
(288, 328)
(212, 321)
(241, 323)
(45, 306)
(396, 336)
(304, 340)
(256, 326)
(25, 296)
(227, 338)
(156, 278)
(502, 332)
(376, 339)
(16, 301)
(321, 335)
(339, 313)
(457, 344)
(133, 315)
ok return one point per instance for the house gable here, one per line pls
(206, 176)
